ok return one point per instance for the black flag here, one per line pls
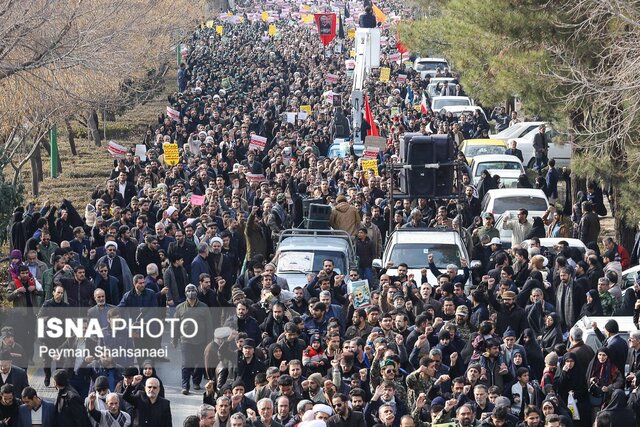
(346, 10)
(340, 28)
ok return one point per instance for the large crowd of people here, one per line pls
(502, 351)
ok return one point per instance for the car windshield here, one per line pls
(478, 150)
(497, 166)
(519, 202)
(415, 254)
(439, 103)
(309, 261)
(337, 151)
(431, 65)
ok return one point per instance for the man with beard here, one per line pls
(508, 313)
(185, 249)
(221, 266)
(275, 323)
(359, 327)
(292, 345)
(244, 322)
(249, 365)
(344, 415)
(192, 348)
(570, 298)
(298, 303)
(317, 322)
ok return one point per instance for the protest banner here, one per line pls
(350, 64)
(394, 57)
(302, 115)
(370, 152)
(219, 29)
(359, 290)
(306, 108)
(209, 24)
(351, 33)
(332, 78)
(257, 143)
(173, 114)
(376, 141)
(197, 200)
(171, 155)
(326, 26)
(116, 150)
(264, 16)
(255, 177)
(385, 74)
(272, 30)
(401, 78)
(291, 117)
(370, 165)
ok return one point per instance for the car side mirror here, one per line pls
(475, 264)
(377, 263)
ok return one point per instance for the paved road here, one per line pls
(169, 372)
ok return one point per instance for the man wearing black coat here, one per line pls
(70, 411)
(344, 416)
(15, 376)
(151, 409)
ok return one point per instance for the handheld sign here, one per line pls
(171, 155)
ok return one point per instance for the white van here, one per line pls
(430, 66)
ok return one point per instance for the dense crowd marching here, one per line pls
(502, 352)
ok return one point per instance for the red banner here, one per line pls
(326, 25)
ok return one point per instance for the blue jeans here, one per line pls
(367, 273)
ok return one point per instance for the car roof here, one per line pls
(512, 192)
(625, 323)
(425, 235)
(451, 97)
(457, 108)
(485, 158)
(431, 59)
(484, 141)
(549, 242)
(305, 242)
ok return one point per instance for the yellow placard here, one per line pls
(306, 8)
(272, 30)
(264, 16)
(370, 164)
(171, 155)
(352, 53)
(307, 18)
(385, 74)
(306, 108)
(219, 29)
(241, 19)
(209, 24)
(351, 33)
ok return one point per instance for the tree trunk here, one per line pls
(93, 126)
(625, 233)
(36, 172)
(577, 183)
(71, 136)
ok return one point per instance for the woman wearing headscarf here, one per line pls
(619, 411)
(551, 334)
(534, 353)
(603, 377)
(276, 356)
(571, 378)
(485, 184)
(593, 307)
(148, 371)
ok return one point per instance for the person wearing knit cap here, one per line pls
(313, 388)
